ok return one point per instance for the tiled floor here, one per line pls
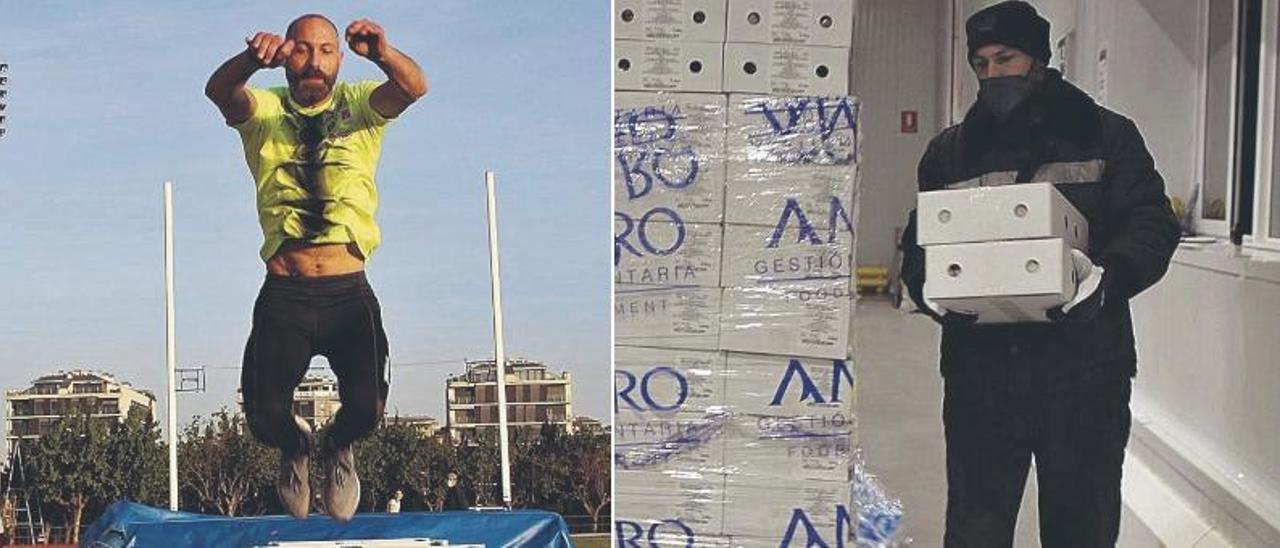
(900, 422)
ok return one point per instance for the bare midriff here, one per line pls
(305, 260)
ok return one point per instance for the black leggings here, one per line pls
(295, 319)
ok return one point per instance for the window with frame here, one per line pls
(1266, 221)
(1217, 105)
(1229, 109)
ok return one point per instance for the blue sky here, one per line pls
(105, 103)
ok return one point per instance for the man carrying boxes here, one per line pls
(1031, 283)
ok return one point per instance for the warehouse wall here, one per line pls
(896, 45)
(1204, 454)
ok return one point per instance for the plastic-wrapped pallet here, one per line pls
(734, 425)
(669, 202)
(791, 213)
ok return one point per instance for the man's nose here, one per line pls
(993, 70)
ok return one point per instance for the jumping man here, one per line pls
(313, 148)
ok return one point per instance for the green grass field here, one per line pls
(596, 540)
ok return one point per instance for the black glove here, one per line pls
(958, 319)
(948, 318)
(1091, 292)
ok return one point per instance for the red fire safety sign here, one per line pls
(910, 121)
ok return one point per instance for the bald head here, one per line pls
(311, 19)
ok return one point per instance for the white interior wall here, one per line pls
(1153, 68)
(894, 61)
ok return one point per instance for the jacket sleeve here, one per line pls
(913, 271)
(1135, 206)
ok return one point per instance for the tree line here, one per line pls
(82, 465)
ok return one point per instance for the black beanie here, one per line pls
(1013, 23)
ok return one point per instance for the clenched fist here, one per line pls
(367, 40)
(269, 50)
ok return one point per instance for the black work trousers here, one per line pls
(997, 417)
(295, 319)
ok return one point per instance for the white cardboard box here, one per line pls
(799, 22)
(807, 456)
(769, 254)
(815, 508)
(793, 130)
(660, 384)
(785, 70)
(668, 521)
(665, 465)
(1002, 282)
(669, 420)
(793, 418)
(670, 20)
(651, 252)
(1011, 212)
(667, 66)
(667, 317)
(809, 318)
(669, 152)
(796, 151)
(818, 458)
(760, 194)
(819, 393)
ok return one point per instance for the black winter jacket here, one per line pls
(1099, 162)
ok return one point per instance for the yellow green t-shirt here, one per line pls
(314, 167)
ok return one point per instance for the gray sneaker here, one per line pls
(342, 486)
(293, 485)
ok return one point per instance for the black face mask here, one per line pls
(1002, 94)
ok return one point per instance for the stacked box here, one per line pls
(790, 219)
(670, 20)
(1001, 282)
(1012, 212)
(669, 153)
(669, 202)
(791, 22)
(1003, 253)
(788, 47)
(734, 232)
(785, 69)
(779, 258)
(667, 66)
(668, 413)
(669, 45)
(790, 444)
(667, 317)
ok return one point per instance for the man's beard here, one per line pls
(310, 92)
